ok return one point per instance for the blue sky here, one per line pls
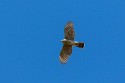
(30, 34)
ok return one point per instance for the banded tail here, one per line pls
(80, 45)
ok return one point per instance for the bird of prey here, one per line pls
(68, 42)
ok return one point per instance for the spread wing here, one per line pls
(69, 31)
(65, 53)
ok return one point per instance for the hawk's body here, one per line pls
(68, 42)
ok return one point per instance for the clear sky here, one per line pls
(30, 34)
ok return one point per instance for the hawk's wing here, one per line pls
(65, 53)
(69, 31)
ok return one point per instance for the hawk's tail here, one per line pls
(80, 45)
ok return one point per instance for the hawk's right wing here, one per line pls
(69, 31)
(65, 53)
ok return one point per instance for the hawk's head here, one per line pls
(63, 40)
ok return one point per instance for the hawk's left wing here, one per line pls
(65, 53)
(69, 31)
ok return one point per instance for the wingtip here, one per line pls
(69, 22)
(62, 61)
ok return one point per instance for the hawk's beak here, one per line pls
(62, 40)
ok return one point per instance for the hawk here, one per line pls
(68, 42)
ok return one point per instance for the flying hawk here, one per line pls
(68, 42)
